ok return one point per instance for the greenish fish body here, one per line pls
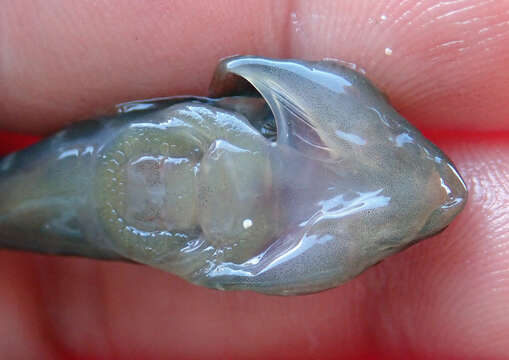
(293, 177)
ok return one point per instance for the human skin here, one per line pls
(445, 298)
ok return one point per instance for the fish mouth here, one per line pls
(455, 195)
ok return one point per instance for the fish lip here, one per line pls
(446, 212)
(458, 187)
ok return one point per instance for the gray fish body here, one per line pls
(47, 204)
(197, 187)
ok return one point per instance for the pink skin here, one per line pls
(445, 298)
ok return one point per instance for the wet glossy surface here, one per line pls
(206, 189)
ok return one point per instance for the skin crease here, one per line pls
(445, 298)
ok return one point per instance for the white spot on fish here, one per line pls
(247, 223)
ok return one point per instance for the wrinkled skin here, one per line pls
(444, 298)
(191, 186)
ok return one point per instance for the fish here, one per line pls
(291, 177)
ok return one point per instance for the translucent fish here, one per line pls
(293, 177)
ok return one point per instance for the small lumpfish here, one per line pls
(293, 177)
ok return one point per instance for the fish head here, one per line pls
(353, 181)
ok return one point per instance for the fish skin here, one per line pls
(191, 186)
